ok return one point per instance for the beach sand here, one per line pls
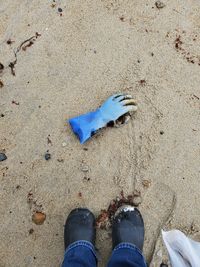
(82, 55)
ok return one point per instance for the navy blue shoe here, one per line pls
(128, 227)
(80, 225)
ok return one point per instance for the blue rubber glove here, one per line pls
(88, 124)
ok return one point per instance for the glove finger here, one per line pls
(117, 96)
(125, 97)
(131, 108)
(129, 102)
(120, 98)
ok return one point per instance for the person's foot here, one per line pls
(80, 225)
(128, 227)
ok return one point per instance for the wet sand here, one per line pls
(91, 51)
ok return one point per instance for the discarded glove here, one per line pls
(183, 251)
(113, 108)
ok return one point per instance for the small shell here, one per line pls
(159, 4)
(84, 168)
(122, 120)
(38, 218)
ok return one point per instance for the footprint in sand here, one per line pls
(156, 209)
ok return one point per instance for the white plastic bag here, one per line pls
(183, 251)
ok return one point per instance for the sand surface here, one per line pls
(95, 49)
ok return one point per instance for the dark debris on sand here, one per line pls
(47, 156)
(23, 46)
(159, 4)
(105, 218)
(1, 67)
(3, 157)
(9, 42)
(1, 84)
(178, 43)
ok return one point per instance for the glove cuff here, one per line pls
(86, 125)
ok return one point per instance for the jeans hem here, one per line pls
(83, 243)
(128, 245)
